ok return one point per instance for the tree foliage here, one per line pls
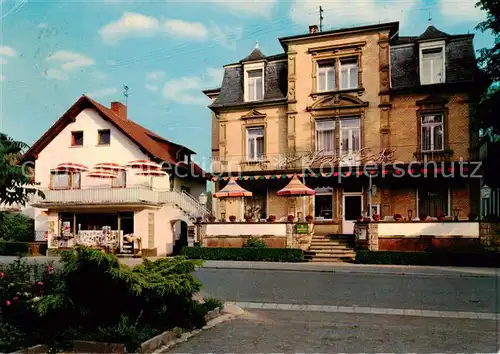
(489, 61)
(16, 184)
(16, 227)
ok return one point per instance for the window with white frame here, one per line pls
(255, 143)
(348, 73)
(65, 180)
(325, 136)
(432, 65)
(350, 136)
(326, 76)
(255, 85)
(432, 132)
(120, 181)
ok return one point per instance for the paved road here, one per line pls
(261, 331)
(447, 292)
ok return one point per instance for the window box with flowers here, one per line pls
(232, 218)
(376, 217)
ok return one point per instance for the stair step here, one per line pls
(331, 250)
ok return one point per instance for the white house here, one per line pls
(81, 209)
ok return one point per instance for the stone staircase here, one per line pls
(331, 248)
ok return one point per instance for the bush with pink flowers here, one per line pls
(93, 297)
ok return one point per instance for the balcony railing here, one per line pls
(130, 195)
(282, 161)
(99, 196)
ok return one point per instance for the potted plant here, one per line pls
(441, 217)
(291, 218)
(422, 216)
(376, 217)
(398, 217)
(360, 218)
(248, 217)
(232, 218)
(472, 217)
(271, 218)
(309, 218)
(211, 218)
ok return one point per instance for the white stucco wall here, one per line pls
(253, 229)
(469, 229)
(196, 187)
(121, 150)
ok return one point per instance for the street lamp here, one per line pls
(202, 198)
(410, 214)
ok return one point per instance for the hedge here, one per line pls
(486, 259)
(244, 254)
(15, 248)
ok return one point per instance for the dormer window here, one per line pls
(254, 82)
(432, 63)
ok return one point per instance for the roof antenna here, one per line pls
(430, 19)
(125, 94)
(256, 44)
(321, 19)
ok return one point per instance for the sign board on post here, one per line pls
(301, 228)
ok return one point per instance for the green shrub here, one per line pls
(254, 242)
(16, 227)
(16, 248)
(245, 254)
(212, 303)
(429, 258)
(93, 297)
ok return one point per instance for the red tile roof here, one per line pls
(150, 142)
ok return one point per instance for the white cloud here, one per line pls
(181, 28)
(71, 60)
(152, 88)
(56, 74)
(226, 36)
(155, 75)
(130, 24)
(139, 25)
(357, 12)
(461, 11)
(7, 51)
(187, 89)
(102, 92)
(43, 25)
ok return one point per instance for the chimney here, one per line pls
(313, 29)
(119, 109)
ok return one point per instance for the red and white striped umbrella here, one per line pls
(151, 173)
(102, 174)
(71, 167)
(109, 166)
(144, 165)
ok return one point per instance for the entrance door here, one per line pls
(352, 209)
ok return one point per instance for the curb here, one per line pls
(229, 311)
(408, 271)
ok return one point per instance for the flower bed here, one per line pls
(94, 298)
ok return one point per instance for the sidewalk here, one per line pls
(353, 268)
(317, 267)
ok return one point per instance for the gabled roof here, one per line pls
(151, 143)
(255, 55)
(432, 33)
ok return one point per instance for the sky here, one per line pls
(167, 52)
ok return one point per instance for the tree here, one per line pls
(489, 60)
(16, 184)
